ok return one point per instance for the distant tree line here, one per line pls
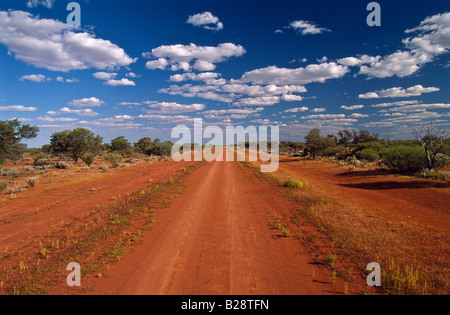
(78, 144)
(429, 151)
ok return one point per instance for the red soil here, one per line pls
(69, 195)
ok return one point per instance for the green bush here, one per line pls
(294, 183)
(3, 185)
(404, 159)
(40, 160)
(368, 154)
(114, 159)
(442, 161)
(88, 158)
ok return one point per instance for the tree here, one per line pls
(365, 136)
(143, 145)
(120, 145)
(432, 140)
(12, 132)
(346, 137)
(316, 143)
(75, 143)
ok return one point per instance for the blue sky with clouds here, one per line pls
(139, 68)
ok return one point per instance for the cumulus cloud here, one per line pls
(17, 108)
(297, 110)
(280, 76)
(87, 102)
(46, 3)
(397, 92)
(324, 116)
(173, 108)
(307, 28)
(38, 78)
(56, 46)
(419, 107)
(86, 112)
(234, 113)
(258, 101)
(104, 75)
(206, 20)
(181, 57)
(121, 82)
(353, 107)
(432, 40)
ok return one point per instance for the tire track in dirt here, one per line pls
(215, 240)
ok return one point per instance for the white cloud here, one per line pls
(46, 3)
(280, 76)
(180, 57)
(401, 103)
(104, 75)
(87, 102)
(56, 46)
(397, 92)
(353, 107)
(38, 78)
(357, 115)
(130, 104)
(132, 75)
(86, 112)
(432, 40)
(419, 107)
(121, 82)
(291, 98)
(206, 20)
(258, 101)
(160, 64)
(17, 108)
(53, 119)
(350, 61)
(234, 113)
(307, 28)
(173, 108)
(401, 64)
(296, 110)
(324, 116)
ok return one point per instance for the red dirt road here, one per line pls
(215, 239)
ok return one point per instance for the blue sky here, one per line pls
(139, 68)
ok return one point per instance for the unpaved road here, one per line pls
(215, 240)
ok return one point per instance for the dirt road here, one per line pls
(216, 239)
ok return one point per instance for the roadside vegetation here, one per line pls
(79, 147)
(427, 155)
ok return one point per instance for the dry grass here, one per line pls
(413, 257)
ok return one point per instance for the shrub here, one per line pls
(335, 151)
(114, 159)
(368, 154)
(294, 183)
(88, 158)
(32, 181)
(442, 161)
(63, 165)
(3, 185)
(404, 159)
(40, 160)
